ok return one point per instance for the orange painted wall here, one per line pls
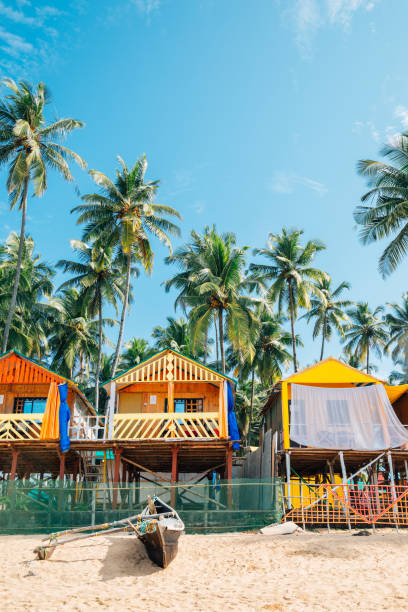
(208, 392)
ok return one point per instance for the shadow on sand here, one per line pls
(126, 556)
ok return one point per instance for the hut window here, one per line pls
(189, 404)
(29, 405)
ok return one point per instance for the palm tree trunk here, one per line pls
(81, 367)
(292, 323)
(13, 300)
(205, 345)
(216, 340)
(98, 363)
(221, 335)
(323, 335)
(251, 410)
(368, 358)
(123, 316)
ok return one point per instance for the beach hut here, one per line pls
(29, 419)
(171, 413)
(332, 412)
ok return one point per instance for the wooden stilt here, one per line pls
(229, 475)
(174, 474)
(14, 457)
(62, 466)
(394, 497)
(118, 452)
(288, 484)
(345, 486)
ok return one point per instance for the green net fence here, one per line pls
(31, 506)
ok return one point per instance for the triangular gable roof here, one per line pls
(166, 366)
(331, 371)
(16, 367)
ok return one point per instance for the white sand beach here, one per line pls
(213, 573)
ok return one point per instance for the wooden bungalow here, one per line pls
(170, 414)
(306, 460)
(24, 388)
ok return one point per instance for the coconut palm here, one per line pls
(365, 333)
(270, 356)
(397, 322)
(245, 397)
(177, 335)
(27, 146)
(213, 284)
(73, 338)
(289, 274)
(190, 259)
(136, 350)
(384, 213)
(99, 277)
(328, 312)
(33, 314)
(123, 215)
(399, 377)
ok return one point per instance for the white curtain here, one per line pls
(359, 418)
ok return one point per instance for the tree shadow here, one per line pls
(126, 556)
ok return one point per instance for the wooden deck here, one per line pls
(44, 456)
(311, 461)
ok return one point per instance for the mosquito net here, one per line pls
(359, 418)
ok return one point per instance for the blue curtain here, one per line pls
(64, 417)
(232, 421)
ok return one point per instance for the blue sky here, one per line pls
(252, 114)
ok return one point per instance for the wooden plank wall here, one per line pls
(208, 392)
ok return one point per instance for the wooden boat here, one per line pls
(161, 538)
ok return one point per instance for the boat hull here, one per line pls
(161, 545)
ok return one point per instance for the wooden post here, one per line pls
(229, 463)
(345, 486)
(174, 474)
(14, 454)
(406, 470)
(285, 415)
(62, 466)
(289, 492)
(394, 497)
(229, 475)
(118, 452)
(111, 410)
(221, 410)
(170, 396)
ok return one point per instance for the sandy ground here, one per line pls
(314, 571)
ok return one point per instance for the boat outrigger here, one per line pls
(158, 527)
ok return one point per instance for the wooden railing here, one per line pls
(159, 426)
(20, 426)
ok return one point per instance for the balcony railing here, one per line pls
(138, 426)
(161, 426)
(20, 426)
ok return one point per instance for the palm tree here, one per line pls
(26, 145)
(74, 335)
(399, 377)
(385, 215)
(366, 332)
(245, 397)
(397, 322)
(213, 284)
(291, 277)
(100, 279)
(190, 261)
(137, 350)
(270, 356)
(123, 215)
(33, 315)
(329, 313)
(178, 337)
